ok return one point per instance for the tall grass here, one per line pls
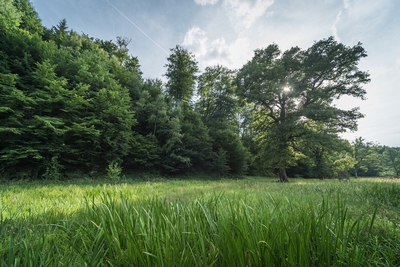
(251, 222)
(222, 232)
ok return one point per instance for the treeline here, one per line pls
(357, 159)
(73, 104)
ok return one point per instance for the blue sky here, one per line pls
(228, 31)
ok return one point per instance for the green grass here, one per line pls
(245, 222)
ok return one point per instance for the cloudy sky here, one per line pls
(228, 31)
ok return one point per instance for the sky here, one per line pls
(227, 32)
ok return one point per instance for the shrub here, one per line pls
(114, 171)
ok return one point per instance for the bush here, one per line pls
(114, 171)
(53, 169)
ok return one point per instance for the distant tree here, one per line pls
(236, 155)
(37, 120)
(122, 51)
(30, 20)
(151, 109)
(181, 76)
(173, 157)
(119, 50)
(109, 46)
(218, 108)
(196, 140)
(363, 153)
(10, 16)
(342, 163)
(319, 149)
(14, 101)
(287, 90)
(391, 161)
(218, 103)
(60, 32)
(220, 163)
(152, 114)
(114, 119)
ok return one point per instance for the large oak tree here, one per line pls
(295, 89)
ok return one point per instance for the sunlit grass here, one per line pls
(159, 222)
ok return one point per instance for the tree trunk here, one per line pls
(355, 172)
(282, 175)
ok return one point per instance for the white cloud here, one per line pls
(398, 61)
(212, 52)
(206, 2)
(244, 13)
(197, 40)
(346, 4)
(334, 29)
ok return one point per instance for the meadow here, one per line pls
(252, 221)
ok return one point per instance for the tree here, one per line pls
(320, 149)
(218, 104)
(10, 16)
(391, 159)
(109, 46)
(122, 51)
(152, 115)
(218, 108)
(30, 20)
(290, 89)
(60, 31)
(173, 158)
(237, 156)
(363, 153)
(196, 140)
(220, 163)
(181, 75)
(115, 122)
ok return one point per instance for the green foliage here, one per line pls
(152, 110)
(220, 163)
(236, 154)
(52, 169)
(115, 121)
(218, 104)
(292, 89)
(324, 152)
(68, 94)
(196, 140)
(10, 16)
(83, 102)
(181, 74)
(30, 20)
(218, 108)
(173, 159)
(59, 32)
(364, 153)
(114, 171)
(391, 161)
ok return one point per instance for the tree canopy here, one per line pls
(292, 93)
(71, 103)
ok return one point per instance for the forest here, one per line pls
(72, 105)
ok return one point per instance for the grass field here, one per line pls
(245, 222)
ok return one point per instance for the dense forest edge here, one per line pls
(75, 106)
